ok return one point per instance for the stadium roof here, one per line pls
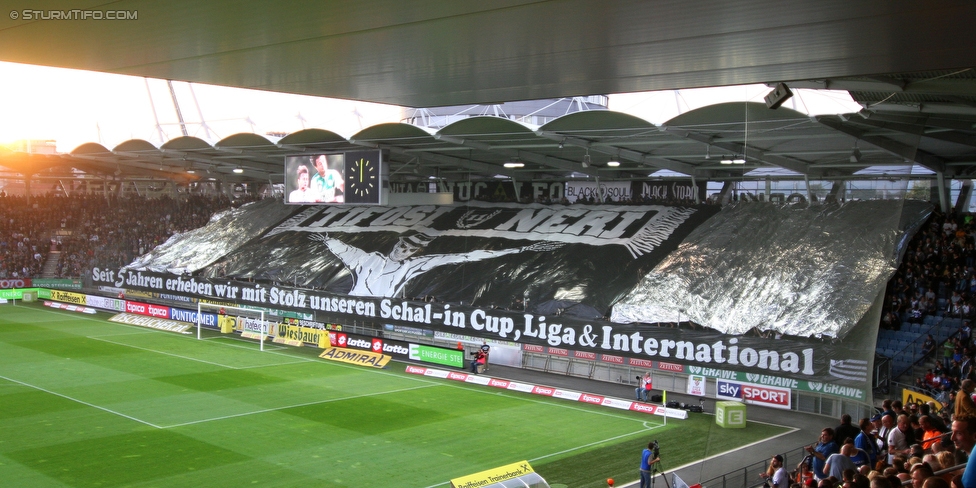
(908, 63)
(779, 143)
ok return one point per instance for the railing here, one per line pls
(802, 401)
(748, 476)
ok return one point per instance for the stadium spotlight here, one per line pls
(238, 170)
(780, 94)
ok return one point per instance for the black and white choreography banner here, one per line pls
(575, 258)
(533, 274)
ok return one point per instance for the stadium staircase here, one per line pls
(50, 269)
(903, 347)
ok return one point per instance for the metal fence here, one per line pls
(802, 401)
(748, 476)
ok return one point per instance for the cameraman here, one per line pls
(775, 476)
(479, 360)
(643, 390)
(649, 457)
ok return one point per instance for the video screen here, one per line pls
(333, 178)
(318, 178)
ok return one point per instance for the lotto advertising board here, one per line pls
(8, 283)
(752, 394)
(399, 349)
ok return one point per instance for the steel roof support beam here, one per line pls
(902, 150)
(750, 152)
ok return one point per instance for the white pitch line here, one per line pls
(421, 379)
(584, 446)
(122, 334)
(193, 359)
(268, 349)
(271, 365)
(266, 410)
(621, 436)
(92, 405)
(165, 353)
(713, 456)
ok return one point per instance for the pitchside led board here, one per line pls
(333, 178)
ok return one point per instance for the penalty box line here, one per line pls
(286, 407)
(189, 358)
(92, 405)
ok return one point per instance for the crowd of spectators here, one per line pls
(115, 231)
(937, 275)
(93, 230)
(937, 279)
(902, 444)
(24, 230)
(911, 443)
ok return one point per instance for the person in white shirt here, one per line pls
(898, 440)
(776, 474)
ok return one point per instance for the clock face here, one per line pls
(362, 181)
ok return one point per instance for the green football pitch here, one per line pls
(89, 403)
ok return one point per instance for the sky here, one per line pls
(74, 107)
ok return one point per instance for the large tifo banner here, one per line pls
(580, 257)
(548, 276)
(806, 364)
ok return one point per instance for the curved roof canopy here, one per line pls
(779, 143)
(917, 84)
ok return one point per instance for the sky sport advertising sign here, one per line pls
(399, 349)
(762, 395)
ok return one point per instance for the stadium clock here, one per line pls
(362, 178)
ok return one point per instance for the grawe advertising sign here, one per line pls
(767, 396)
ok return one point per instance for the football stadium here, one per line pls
(525, 278)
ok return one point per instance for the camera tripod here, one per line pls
(656, 469)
